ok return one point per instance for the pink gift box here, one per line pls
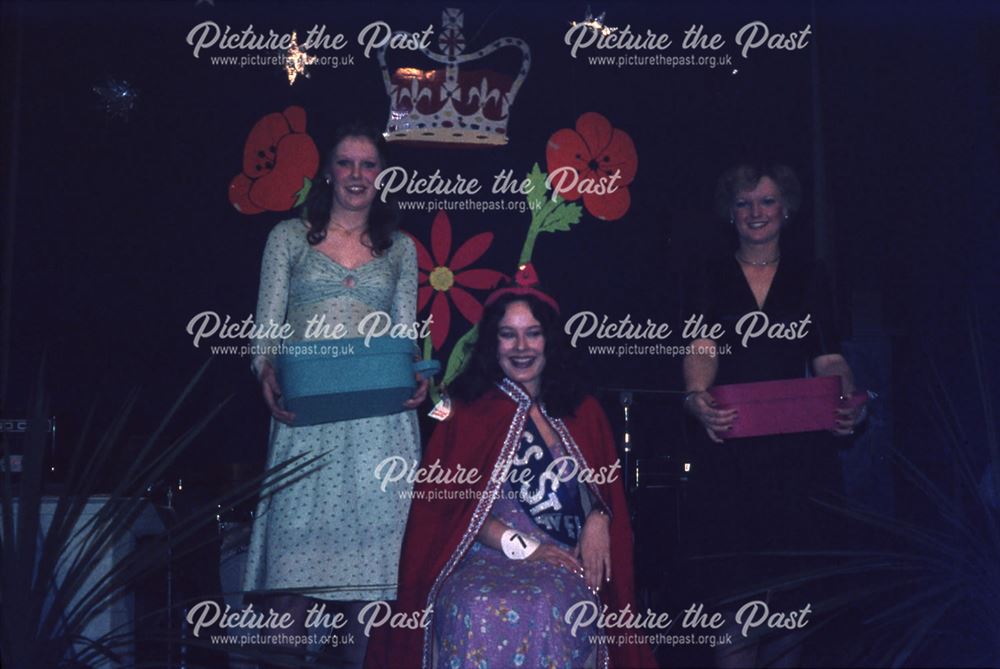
(782, 407)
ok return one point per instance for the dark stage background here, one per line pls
(122, 229)
(119, 229)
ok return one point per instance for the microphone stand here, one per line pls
(631, 478)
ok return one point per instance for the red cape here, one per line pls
(480, 437)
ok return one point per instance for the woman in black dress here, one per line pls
(756, 491)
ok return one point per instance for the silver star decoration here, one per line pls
(296, 61)
(117, 98)
(595, 23)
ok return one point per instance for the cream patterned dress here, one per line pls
(334, 529)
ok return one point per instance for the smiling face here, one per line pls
(759, 213)
(353, 171)
(521, 347)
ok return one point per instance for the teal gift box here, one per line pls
(330, 380)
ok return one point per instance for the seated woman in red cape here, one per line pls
(518, 542)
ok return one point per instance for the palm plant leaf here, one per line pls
(48, 592)
(942, 567)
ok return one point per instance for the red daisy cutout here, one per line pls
(595, 150)
(439, 277)
(278, 157)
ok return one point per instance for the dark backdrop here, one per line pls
(123, 231)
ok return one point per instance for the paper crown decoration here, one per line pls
(450, 105)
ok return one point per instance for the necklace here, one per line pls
(758, 263)
(333, 225)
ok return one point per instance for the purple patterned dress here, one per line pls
(497, 613)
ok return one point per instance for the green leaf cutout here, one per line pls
(460, 355)
(561, 218)
(301, 196)
(537, 195)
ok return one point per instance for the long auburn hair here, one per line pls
(383, 218)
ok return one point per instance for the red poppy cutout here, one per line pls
(278, 158)
(526, 276)
(596, 151)
(438, 277)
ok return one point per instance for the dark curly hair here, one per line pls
(562, 390)
(746, 177)
(383, 219)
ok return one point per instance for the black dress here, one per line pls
(754, 494)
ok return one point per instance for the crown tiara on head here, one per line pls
(448, 105)
(525, 283)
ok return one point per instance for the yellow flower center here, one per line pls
(442, 279)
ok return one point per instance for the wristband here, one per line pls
(517, 546)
